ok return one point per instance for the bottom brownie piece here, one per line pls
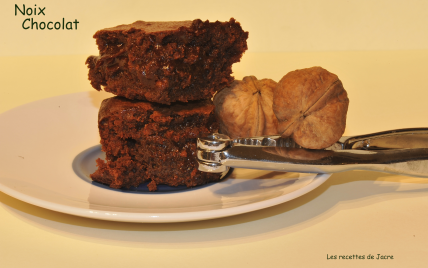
(152, 142)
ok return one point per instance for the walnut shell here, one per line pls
(299, 154)
(245, 108)
(311, 106)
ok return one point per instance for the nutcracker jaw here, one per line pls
(213, 149)
(209, 150)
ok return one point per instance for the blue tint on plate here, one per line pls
(161, 188)
(84, 164)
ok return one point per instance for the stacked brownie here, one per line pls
(164, 74)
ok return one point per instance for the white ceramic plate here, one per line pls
(48, 149)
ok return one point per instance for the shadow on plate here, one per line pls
(342, 191)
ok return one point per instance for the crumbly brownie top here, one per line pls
(148, 26)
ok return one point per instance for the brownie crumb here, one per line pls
(152, 186)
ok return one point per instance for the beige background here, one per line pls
(379, 49)
(274, 26)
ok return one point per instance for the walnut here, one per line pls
(245, 108)
(311, 106)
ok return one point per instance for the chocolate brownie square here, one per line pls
(146, 141)
(166, 62)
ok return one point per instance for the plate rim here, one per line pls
(166, 217)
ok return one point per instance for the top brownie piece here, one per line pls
(165, 62)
